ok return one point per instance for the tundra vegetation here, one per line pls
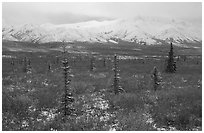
(116, 88)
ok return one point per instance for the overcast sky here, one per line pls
(61, 13)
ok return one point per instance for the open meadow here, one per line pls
(33, 86)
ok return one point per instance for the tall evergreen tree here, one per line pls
(67, 98)
(116, 83)
(171, 64)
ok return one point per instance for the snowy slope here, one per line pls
(139, 29)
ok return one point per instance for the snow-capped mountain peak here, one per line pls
(140, 30)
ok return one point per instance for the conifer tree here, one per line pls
(171, 64)
(197, 62)
(12, 62)
(27, 65)
(116, 82)
(92, 65)
(184, 58)
(49, 67)
(156, 78)
(12, 65)
(104, 62)
(67, 98)
(29, 68)
(178, 58)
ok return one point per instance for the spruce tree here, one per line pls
(12, 62)
(67, 98)
(184, 58)
(156, 78)
(49, 67)
(171, 64)
(92, 65)
(116, 83)
(104, 62)
(27, 65)
(178, 58)
(12, 65)
(29, 68)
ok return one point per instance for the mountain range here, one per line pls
(142, 30)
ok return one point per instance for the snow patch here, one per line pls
(112, 41)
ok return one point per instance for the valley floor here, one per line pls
(32, 100)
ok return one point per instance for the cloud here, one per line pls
(60, 13)
(63, 18)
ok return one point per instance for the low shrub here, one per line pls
(128, 101)
(179, 107)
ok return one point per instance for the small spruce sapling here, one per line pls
(49, 67)
(156, 78)
(27, 65)
(12, 65)
(184, 58)
(104, 62)
(178, 58)
(92, 65)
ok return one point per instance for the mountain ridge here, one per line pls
(149, 31)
